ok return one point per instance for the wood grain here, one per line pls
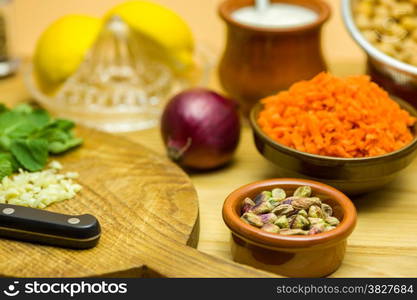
(148, 211)
(382, 245)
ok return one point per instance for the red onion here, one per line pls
(200, 129)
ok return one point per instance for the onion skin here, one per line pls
(200, 129)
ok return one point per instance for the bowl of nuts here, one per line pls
(387, 31)
(291, 227)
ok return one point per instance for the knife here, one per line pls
(45, 227)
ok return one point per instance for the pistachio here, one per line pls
(273, 203)
(270, 228)
(328, 227)
(283, 209)
(305, 203)
(315, 212)
(267, 193)
(317, 228)
(287, 200)
(332, 221)
(247, 205)
(282, 222)
(327, 210)
(262, 208)
(300, 214)
(294, 212)
(291, 219)
(264, 203)
(293, 232)
(252, 219)
(300, 222)
(268, 218)
(314, 221)
(279, 194)
(262, 197)
(302, 191)
(303, 213)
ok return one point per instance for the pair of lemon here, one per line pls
(62, 47)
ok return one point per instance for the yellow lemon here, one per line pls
(62, 47)
(161, 25)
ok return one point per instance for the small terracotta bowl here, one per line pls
(293, 256)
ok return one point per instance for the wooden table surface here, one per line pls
(384, 243)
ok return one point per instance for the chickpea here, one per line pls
(396, 32)
(363, 22)
(387, 48)
(413, 60)
(390, 25)
(404, 56)
(409, 22)
(413, 35)
(409, 45)
(388, 3)
(380, 24)
(381, 11)
(408, 51)
(371, 36)
(393, 28)
(402, 9)
(365, 8)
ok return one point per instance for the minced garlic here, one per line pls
(39, 189)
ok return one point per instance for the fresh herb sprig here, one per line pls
(28, 135)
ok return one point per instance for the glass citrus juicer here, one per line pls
(122, 84)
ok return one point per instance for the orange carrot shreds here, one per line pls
(344, 117)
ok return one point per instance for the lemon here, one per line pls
(161, 25)
(62, 47)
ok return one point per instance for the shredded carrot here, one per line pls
(343, 117)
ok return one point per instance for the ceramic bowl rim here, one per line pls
(323, 10)
(273, 240)
(373, 159)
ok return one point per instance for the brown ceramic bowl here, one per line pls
(259, 61)
(294, 256)
(352, 176)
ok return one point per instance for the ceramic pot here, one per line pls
(294, 256)
(353, 176)
(258, 62)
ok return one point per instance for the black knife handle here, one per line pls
(45, 227)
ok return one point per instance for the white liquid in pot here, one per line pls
(277, 15)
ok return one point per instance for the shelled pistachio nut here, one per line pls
(300, 222)
(268, 218)
(270, 228)
(252, 219)
(315, 212)
(279, 194)
(299, 214)
(293, 232)
(282, 222)
(248, 204)
(303, 191)
(283, 209)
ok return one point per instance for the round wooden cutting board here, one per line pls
(148, 211)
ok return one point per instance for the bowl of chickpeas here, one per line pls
(387, 31)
